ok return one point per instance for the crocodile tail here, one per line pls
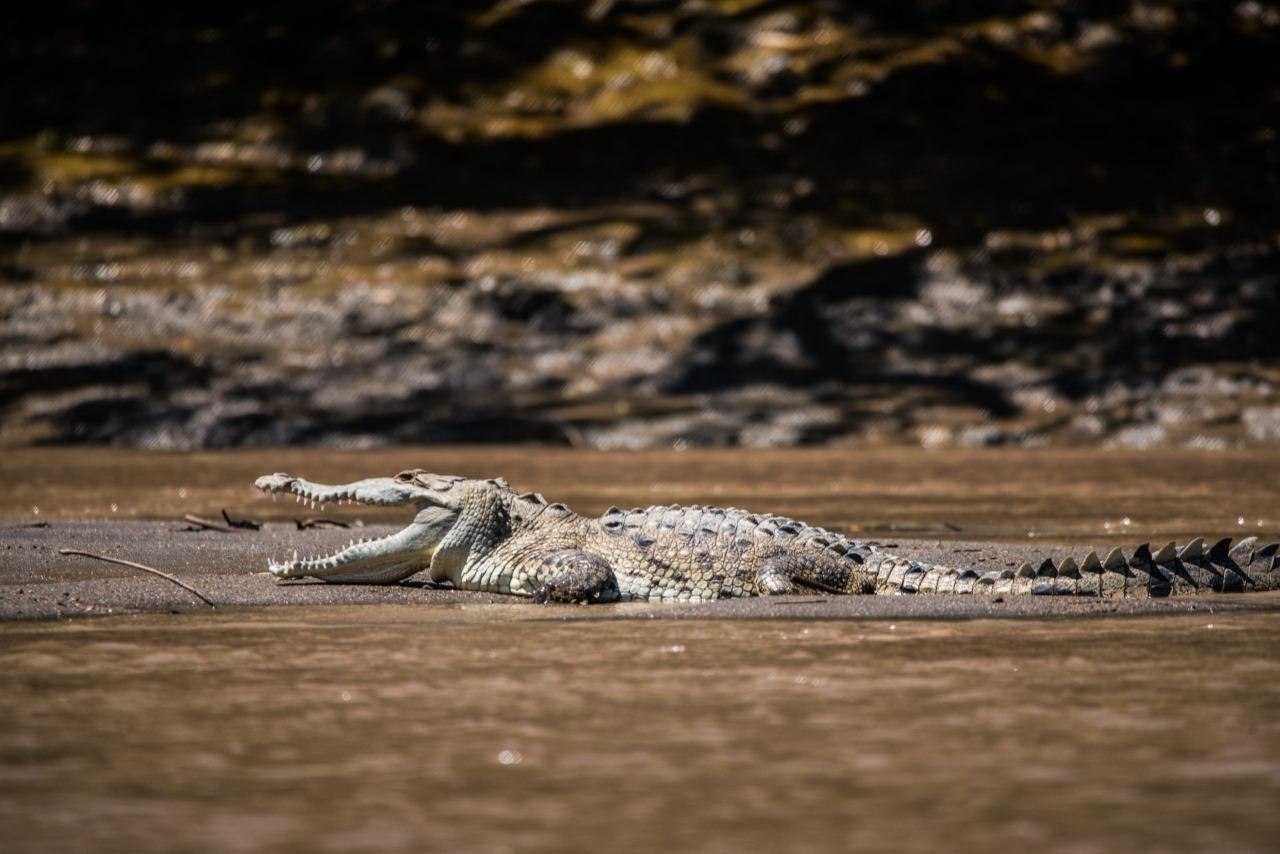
(1171, 570)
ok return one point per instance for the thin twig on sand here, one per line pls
(166, 576)
(304, 524)
(246, 524)
(201, 522)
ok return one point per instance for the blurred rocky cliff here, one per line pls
(631, 224)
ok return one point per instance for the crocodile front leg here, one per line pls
(575, 576)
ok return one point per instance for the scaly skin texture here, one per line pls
(483, 535)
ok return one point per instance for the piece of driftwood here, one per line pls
(209, 524)
(304, 524)
(244, 524)
(166, 576)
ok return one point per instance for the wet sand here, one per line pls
(38, 583)
(985, 509)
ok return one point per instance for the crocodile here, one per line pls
(483, 535)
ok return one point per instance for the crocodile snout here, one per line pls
(273, 482)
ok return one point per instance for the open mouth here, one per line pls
(378, 560)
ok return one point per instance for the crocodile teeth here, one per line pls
(1167, 553)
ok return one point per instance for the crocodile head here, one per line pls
(439, 501)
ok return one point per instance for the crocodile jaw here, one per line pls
(382, 559)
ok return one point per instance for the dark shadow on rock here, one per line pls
(795, 341)
(159, 371)
(832, 332)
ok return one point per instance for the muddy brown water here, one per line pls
(444, 729)
(503, 728)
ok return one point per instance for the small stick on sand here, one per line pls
(166, 576)
(304, 524)
(200, 522)
(247, 524)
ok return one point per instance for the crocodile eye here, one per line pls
(405, 477)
